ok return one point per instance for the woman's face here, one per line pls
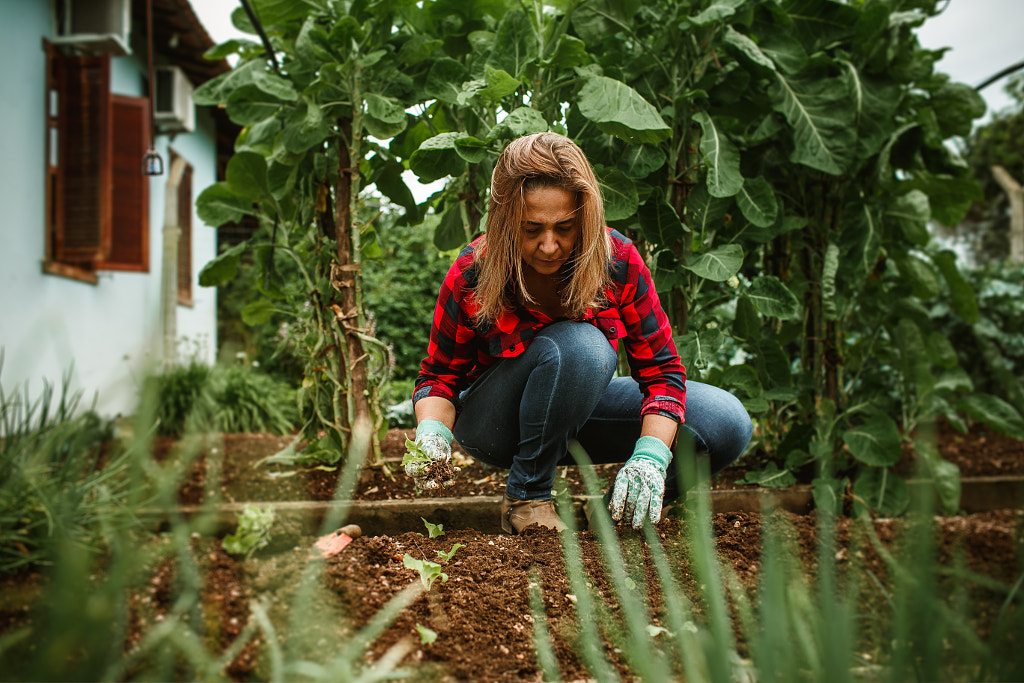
(549, 230)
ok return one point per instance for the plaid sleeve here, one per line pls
(451, 351)
(650, 348)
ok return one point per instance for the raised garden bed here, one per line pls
(481, 614)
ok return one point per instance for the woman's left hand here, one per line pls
(640, 485)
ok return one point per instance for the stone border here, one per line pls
(393, 517)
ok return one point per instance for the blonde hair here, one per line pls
(529, 163)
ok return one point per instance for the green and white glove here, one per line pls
(434, 439)
(640, 484)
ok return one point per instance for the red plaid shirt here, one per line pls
(459, 352)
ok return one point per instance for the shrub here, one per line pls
(61, 476)
(235, 398)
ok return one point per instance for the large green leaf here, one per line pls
(757, 202)
(437, 158)
(956, 105)
(496, 84)
(911, 212)
(697, 349)
(258, 312)
(515, 45)
(218, 89)
(569, 51)
(716, 11)
(820, 23)
(639, 161)
(618, 193)
(820, 113)
(248, 105)
(217, 205)
(389, 181)
(222, 268)
(385, 109)
(859, 243)
(876, 442)
(995, 412)
(451, 230)
(923, 281)
(719, 264)
(275, 86)
(949, 197)
(747, 49)
(522, 121)
(965, 303)
(247, 175)
(445, 79)
(473, 150)
(772, 298)
(597, 20)
(281, 11)
(705, 212)
(721, 156)
(659, 222)
(880, 491)
(875, 103)
(945, 476)
(619, 110)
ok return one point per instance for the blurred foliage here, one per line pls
(1000, 142)
(195, 397)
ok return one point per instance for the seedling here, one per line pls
(253, 531)
(414, 453)
(447, 556)
(427, 636)
(433, 530)
(429, 571)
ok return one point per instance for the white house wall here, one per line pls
(109, 333)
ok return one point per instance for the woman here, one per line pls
(524, 343)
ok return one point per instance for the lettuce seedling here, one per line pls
(429, 571)
(253, 531)
(427, 636)
(415, 453)
(447, 556)
(433, 530)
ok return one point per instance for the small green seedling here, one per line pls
(426, 635)
(429, 571)
(433, 530)
(414, 453)
(253, 531)
(447, 556)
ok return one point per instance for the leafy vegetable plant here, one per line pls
(427, 636)
(253, 531)
(414, 453)
(433, 530)
(446, 556)
(429, 571)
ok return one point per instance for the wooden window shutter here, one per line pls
(129, 189)
(82, 231)
(185, 238)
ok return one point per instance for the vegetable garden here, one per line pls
(777, 162)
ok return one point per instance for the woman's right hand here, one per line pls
(433, 440)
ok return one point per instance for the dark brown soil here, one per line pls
(979, 453)
(482, 614)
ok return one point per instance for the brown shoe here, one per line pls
(516, 515)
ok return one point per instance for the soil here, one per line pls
(979, 453)
(481, 614)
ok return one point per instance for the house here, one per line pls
(83, 261)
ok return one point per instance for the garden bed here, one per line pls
(481, 615)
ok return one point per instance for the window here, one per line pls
(96, 195)
(185, 236)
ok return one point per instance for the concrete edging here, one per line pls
(392, 517)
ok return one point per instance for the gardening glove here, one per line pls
(435, 440)
(640, 484)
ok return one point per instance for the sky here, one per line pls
(984, 37)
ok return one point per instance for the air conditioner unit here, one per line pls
(95, 26)
(174, 111)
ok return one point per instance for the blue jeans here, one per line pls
(520, 414)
